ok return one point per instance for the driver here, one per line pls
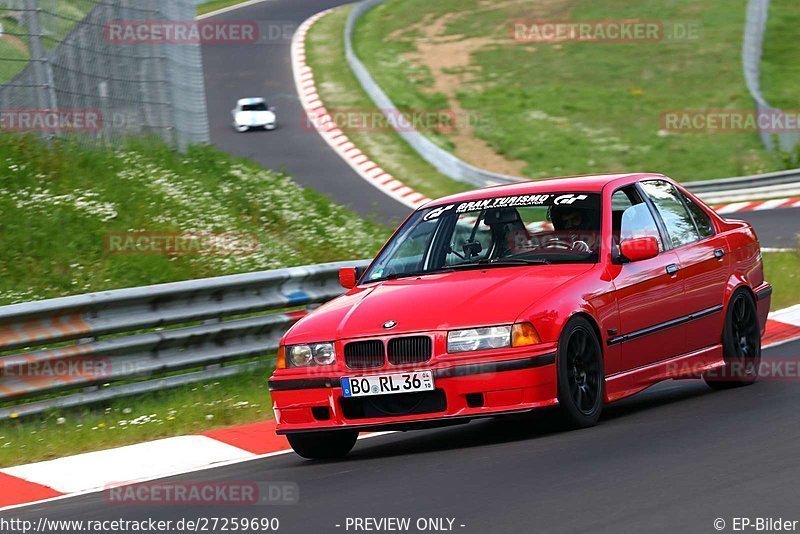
(566, 218)
(574, 225)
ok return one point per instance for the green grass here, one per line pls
(582, 107)
(213, 5)
(340, 90)
(58, 203)
(55, 26)
(780, 66)
(13, 50)
(179, 411)
(782, 270)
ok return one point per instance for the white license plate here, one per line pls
(362, 386)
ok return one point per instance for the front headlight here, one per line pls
(492, 337)
(311, 354)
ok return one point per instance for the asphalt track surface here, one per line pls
(670, 459)
(775, 228)
(234, 71)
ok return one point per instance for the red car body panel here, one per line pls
(652, 325)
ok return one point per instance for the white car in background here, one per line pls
(251, 113)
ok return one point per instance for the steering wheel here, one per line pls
(581, 246)
(557, 243)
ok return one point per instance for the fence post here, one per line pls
(43, 73)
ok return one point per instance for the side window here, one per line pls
(679, 223)
(704, 224)
(631, 217)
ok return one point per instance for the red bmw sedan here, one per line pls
(571, 292)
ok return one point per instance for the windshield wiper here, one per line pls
(501, 262)
(395, 276)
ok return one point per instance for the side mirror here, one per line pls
(640, 248)
(348, 276)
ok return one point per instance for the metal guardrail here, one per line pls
(122, 336)
(745, 182)
(752, 49)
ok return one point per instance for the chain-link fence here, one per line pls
(755, 27)
(62, 71)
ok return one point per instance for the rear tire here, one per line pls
(581, 380)
(741, 344)
(325, 445)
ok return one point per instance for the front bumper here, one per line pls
(463, 391)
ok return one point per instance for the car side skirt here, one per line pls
(691, 365)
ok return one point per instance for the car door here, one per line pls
(702, 258)
(650, 292)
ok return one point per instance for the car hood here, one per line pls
(255, 118)
(459, 299)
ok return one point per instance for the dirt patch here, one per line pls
(15, 42)
(448, 58)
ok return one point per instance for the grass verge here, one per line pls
(573, 107)
(780, 64)
(340, 91)
(213, 5)
(782, 270)
(179, 411)
(58, 204)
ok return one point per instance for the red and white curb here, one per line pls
(95, 471)
(783, 326)
(757, 205)
(321, 120)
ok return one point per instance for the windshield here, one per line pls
(514, 230)
(261, 106)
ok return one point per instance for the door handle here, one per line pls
(719, 253)
(672, 269)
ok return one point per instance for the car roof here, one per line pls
(250, 100)
(588, 183)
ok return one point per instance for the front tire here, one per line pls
(325, 445)
(581, 381)
(741, 344)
